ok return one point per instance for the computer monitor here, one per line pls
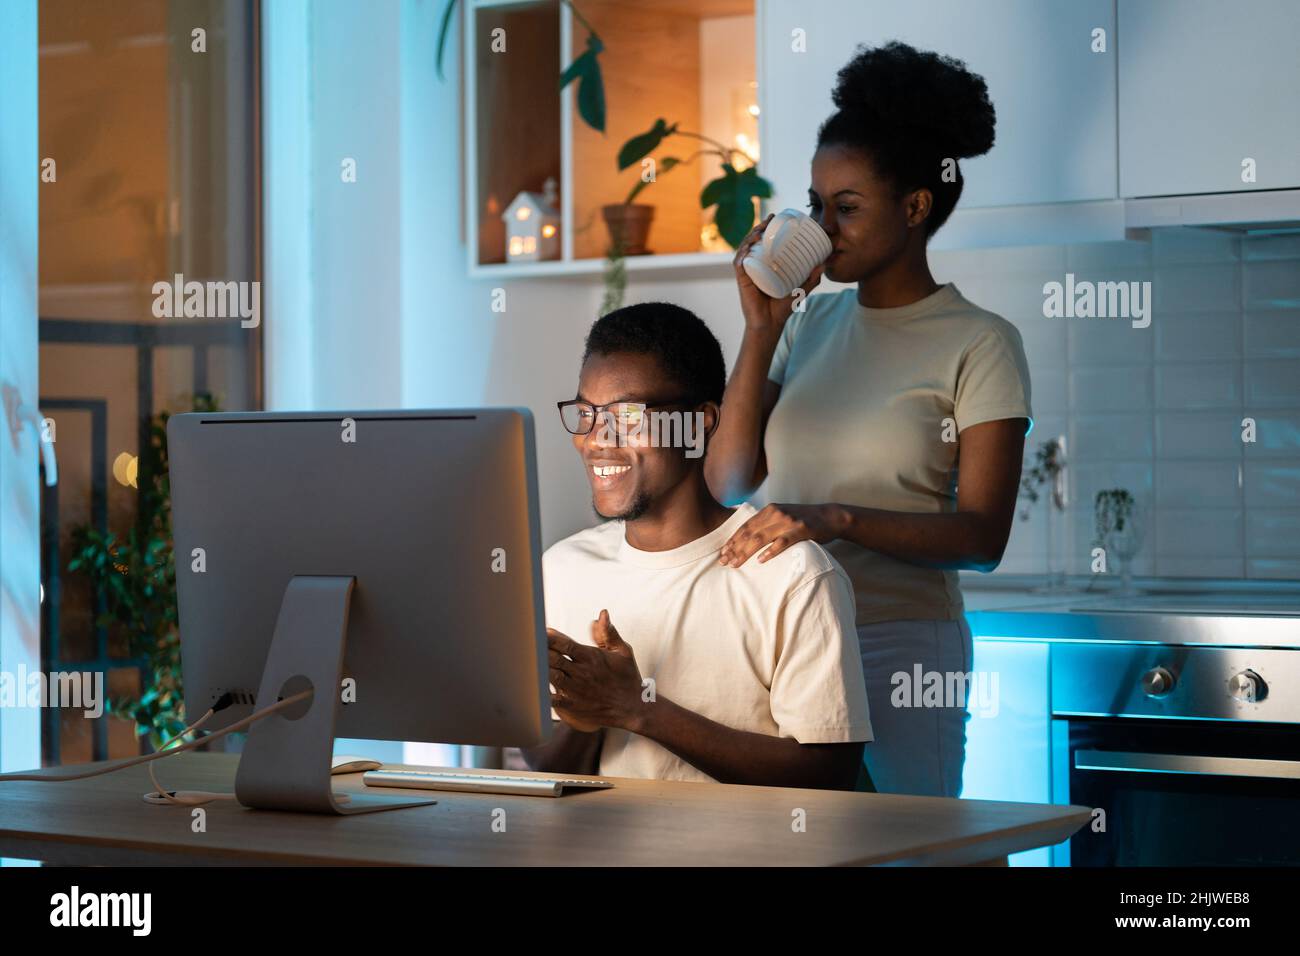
(390, 561)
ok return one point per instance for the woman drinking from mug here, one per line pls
(888, 419)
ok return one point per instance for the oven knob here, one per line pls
(1247, 687)
(1157, 682)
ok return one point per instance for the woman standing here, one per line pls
(888, 420)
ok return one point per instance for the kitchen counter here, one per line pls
(1217, 614)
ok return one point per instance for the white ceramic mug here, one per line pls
(793, 245)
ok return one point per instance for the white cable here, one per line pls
(164, 752)
(184, 798)
(158, 790)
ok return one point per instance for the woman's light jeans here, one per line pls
(917, 749)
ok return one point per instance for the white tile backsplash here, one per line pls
(1105, 342)
(1277, 435)
(1283, 568)
(1199, 566)
(1158, 410)
(1272, 484)
(1272, 533)
(1273, 333)
(1111, 436)
(1035, 261)
(1198, 484)
(1204, 287)
(1103, 256)
(1089, 477)
(952, 265)
(1272, 283)
(1189, 336)
(1117, 389)
(1272, 383)
(1214, 532)
(1211, 434)
(1198, 385)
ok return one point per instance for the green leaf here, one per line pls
(139, 601)
(712, 192)
(591, 85)
(734, 194)
(643, 144)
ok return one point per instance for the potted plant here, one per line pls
(733, 193)
(1119, 531)
(136, 574)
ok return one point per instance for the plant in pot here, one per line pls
(136, 575)
(733, 192)
(1119, 525)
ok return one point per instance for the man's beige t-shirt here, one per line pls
(872, 401)
(768, 648)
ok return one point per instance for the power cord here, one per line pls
(184, 798)
(162, 797)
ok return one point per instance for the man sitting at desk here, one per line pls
(665, 663)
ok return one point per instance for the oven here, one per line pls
(1192, 753)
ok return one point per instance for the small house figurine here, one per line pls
(533, 226)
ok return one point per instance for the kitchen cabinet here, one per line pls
(1054, 96)
(1008, 746)
(1203, 86)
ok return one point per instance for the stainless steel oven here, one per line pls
(1191, 752)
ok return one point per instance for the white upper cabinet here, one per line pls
(1054, 96)
(1204, 86)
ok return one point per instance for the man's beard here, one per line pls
(640, 505)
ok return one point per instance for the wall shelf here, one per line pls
(673, 265)
(692, 63)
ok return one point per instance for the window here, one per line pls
(149, 303)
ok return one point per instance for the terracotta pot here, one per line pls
(630, 225)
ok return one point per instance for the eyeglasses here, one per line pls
(580, 417)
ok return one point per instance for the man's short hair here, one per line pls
(688, 351)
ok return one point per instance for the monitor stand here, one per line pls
(286, 760)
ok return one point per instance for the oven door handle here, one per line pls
(1187, 763)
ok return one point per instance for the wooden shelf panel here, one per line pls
(517, 114)
(651, 66)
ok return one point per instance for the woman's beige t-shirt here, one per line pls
(872, 403)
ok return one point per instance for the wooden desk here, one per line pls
(640, 822)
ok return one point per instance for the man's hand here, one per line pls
(594, 686)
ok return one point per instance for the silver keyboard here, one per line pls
(479, 782)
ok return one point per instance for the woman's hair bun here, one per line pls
(923, 94)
